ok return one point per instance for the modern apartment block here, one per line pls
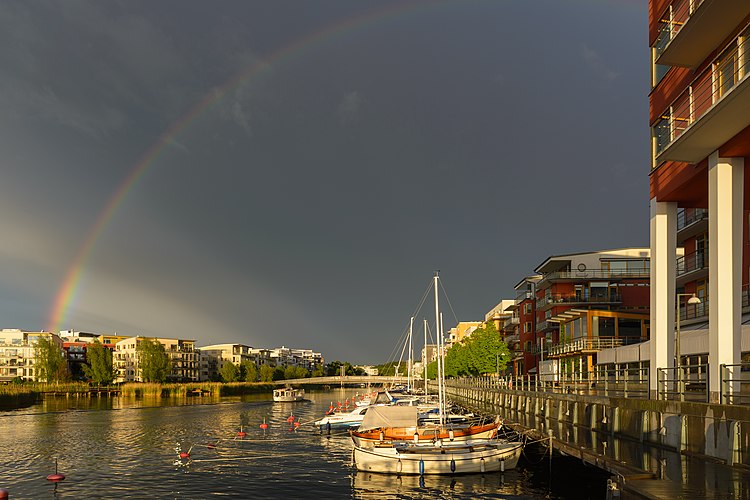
(577, 304)
(523, 309)
(700, 122)
(17, 355)
(182, 355)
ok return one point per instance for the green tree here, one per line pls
(266, 373)
(154, 361)
(319, 372)
(480, 353)
(99, 367)
(49, 361)
(278, 373)
(229, 372)
(248, 371)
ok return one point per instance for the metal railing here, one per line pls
(708, 88)
(526, 294)
(735, 383)
(672, 22)
(625, 382)
(692, 262)
(693, 311)
(686, 218)
(686, 383)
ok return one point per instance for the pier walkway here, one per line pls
(653, 448)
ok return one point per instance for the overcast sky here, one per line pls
(310, 204)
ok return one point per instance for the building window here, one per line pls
(527, 327)
(527, 308)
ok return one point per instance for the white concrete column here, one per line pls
(663, 228)
(725, 202)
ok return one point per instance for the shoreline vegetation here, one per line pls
(14, 396)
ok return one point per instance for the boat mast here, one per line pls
(440, 374)
(409, 373)
(424, 359)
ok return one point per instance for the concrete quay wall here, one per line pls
(717, 432)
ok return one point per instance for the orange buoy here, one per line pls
(290, 419)
(264, 425)
(296, 425)
(242, 433)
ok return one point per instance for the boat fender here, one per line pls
(502, 465)
(421, 467)
(450, 434)
(481, 465)
(416, 437)
(453, 465)
(399, 466)
(382, 436)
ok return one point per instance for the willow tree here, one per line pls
(154, 361)
(99, 367)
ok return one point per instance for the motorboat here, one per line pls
(288, 395)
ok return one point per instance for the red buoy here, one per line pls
(183, 454)
(241, 434)
(290, 419)
(56, 477)
(4, 494)
(296, 424)
(210, 446)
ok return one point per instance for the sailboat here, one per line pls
(401, 446)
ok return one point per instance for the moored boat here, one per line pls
(347, 420)
(288, 395)
(474, 456)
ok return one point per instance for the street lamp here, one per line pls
(678, 362)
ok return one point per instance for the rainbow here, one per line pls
(67, 292)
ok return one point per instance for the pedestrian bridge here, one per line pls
(345, 380)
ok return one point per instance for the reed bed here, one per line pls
(151, 389)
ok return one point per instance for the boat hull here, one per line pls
(426, 434)
(434, 460)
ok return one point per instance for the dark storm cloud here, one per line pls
(310, 205)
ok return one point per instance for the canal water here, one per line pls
(129, 448)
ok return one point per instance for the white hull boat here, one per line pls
(288, 395)
(350, 420)
(467, 457)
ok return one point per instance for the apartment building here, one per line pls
(577, 304)
(462, 330)
(700, 143)
(17, 355)
(182, 356)
(522, 340)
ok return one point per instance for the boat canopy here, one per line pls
(389, 416)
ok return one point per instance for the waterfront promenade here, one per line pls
(654, 448)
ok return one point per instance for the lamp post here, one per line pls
(678, 357)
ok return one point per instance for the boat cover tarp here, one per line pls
(389, 416)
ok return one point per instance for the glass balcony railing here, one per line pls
(672, 22)
(587, 344)
(707, 89)
(558, 298)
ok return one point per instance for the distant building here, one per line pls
(17, 353)
(182, 355)
(462, 330)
